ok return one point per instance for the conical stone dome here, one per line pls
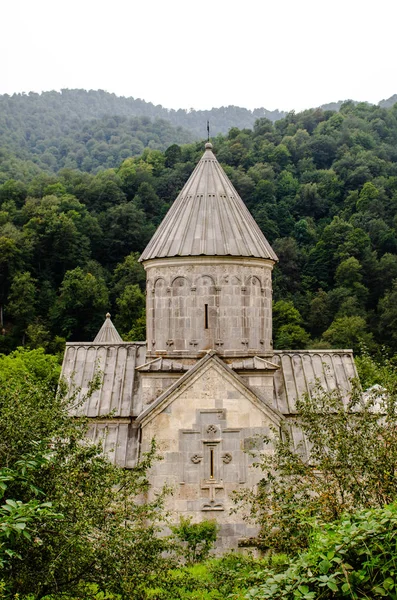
(208, 218)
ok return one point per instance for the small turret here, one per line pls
(108, 334)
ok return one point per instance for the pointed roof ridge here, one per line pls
(211, 355)
(107, 334)
(208, 218)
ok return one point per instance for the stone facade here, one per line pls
(203, 426)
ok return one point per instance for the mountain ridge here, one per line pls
(95, 130)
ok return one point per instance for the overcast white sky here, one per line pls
(282, 54)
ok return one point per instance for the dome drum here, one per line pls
(209, 303)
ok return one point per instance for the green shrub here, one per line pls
(196, 539)
(355, 557)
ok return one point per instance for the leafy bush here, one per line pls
(197, 538)
(355, 557)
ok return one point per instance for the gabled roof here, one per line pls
(208, 218)
(108, 334)
(211, 357)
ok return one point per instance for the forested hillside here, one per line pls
(93, 130)
(79, 131)
(322, 186)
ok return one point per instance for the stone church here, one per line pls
(207, 381)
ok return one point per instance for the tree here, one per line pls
(388, 316)
(354, 557)
(85, 520)
(57, 229)
(130, 307)
(172, 155)
(286, 278)
(348, 332)
(22, 301)
(126, 230)
(197, 538)
(310, 203)
(288, 332)
(346, 461)
(147, 199)
(349, 272)
(129, 272)
(319, 314)
(13, 190)
(82, 302)
(291, 336)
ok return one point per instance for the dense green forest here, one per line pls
(322, 186)
(93, 130)
(77, 130)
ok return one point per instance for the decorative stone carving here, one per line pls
(170, 342)
(212, 429)
(213, 503)
(196, 458)
(227, 458)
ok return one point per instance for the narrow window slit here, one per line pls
(205, 316)
(211, 463)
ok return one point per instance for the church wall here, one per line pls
(203, 432)
(200, 303)
(263, 384)
(154, 384)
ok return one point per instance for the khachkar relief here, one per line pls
(212, 458)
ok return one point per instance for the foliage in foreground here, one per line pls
(197, 539)
(68, 516)
(354, 557)
(230, 576)
(352, 464)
